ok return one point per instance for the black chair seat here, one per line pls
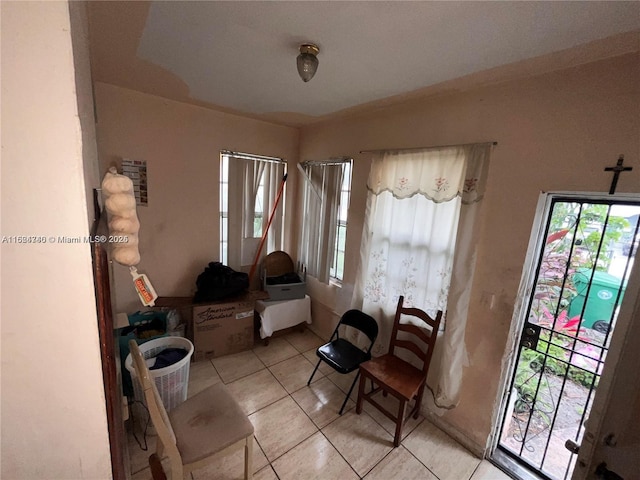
(342, 355)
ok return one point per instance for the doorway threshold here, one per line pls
(512, 467)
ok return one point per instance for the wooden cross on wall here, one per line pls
(616, 173)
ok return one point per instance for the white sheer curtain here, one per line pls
(322, 184)
(273, 179)
(253, 171)
(245, 177)
(419, 241)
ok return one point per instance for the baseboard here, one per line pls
(456, 434)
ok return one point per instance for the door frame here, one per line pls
(603, 392)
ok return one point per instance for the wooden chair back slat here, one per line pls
(420, 343)
(412, 347)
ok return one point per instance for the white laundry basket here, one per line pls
(172, 381)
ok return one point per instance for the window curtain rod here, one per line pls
(331, 161)
(250, 156)
(425, 148)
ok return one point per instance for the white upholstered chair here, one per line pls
(204, 427)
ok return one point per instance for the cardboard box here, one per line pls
(225, 327)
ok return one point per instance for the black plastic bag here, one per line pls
(218, 282)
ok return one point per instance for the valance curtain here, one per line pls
(321, 183)
(418, 241)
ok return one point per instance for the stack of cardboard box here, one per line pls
(217, 328)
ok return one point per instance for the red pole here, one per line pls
(266, 230)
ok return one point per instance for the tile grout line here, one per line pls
(269, 466)
(301, 409)
(381, 460)
(284, 339)
(420, 461)
(266, 367)
(285, 388)
(275, 401)
(243, 376)
(340, 453)
(336, 419)
(475, 469)
(272, 403)
(379, 423)
(318, 429)
(336, 449)
(296, 445)
(262, 450)
(401, 441)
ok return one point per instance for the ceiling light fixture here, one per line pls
(307, 61)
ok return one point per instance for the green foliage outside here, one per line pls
(576, 233)
(588, 234)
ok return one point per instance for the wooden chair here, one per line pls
(205, 426)
(343, 356)
(395, 376)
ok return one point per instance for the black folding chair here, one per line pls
(342, 355)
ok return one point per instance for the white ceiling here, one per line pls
(241, 55)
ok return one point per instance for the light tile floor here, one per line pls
(299, 434)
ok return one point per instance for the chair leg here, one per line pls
(248, 458)
(157, 472)
(418, 402)
(361, 386)
(399, 421)
(314, 372)
(349, 394)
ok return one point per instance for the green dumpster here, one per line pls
(602, 298)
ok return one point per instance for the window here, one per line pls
(419, 240)
(249, 186)
(337, 266)
(326, 194)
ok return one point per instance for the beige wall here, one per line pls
(53, 407)
(555, 131)
(181, 143)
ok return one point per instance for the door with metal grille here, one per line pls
(576, 283)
